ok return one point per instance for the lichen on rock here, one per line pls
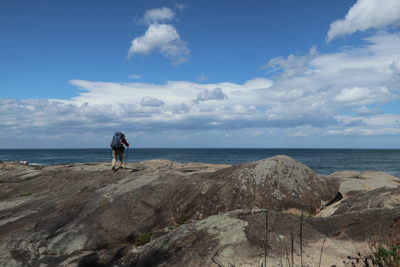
(228, 230)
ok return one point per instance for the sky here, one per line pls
(200, 74)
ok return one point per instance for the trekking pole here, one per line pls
(127, 153)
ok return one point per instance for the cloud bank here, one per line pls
(308, 96)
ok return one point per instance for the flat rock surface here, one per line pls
(355, 181)
(353, 188)
(198, 214)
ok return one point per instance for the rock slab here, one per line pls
(199, 214)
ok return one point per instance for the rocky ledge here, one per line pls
(162, 213)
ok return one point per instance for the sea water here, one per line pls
(322, 161)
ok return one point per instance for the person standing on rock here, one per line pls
(117, 145)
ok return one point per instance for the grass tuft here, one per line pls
(182, 219)
(143, 239)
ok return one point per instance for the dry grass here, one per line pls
(297, 212)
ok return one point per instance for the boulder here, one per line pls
(279, 183)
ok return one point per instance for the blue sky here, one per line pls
(279, 74)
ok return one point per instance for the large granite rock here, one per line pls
(279, 183)
(199, 214)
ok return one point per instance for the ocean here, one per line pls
(322, 161)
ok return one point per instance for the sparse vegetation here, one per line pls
(143, 239)
(384, 251)
(288, 247)
(297, 213)
(182, 219)
(379, 257)
(24, 195)
(385, 257)
(274, 209)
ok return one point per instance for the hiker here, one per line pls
(117, 145)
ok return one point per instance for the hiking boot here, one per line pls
(113, 168)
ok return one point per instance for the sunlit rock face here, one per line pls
(278, 183)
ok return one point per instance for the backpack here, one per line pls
(116, 142)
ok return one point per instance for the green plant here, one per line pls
(274, 209)
(378, 257)
(143, 239)
(182, 219)
(384, 250)
(382, 189)
(386, 257)
(24, 195)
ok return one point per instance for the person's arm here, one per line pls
(126, 143)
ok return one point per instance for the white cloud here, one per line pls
(366, 14)
(364, 111)
(202, 78)
(292, 66)
(365, 132)
(180, 7)
(182, 108)
(378, 121)
(166, 39)
(351, 95)
(157, 15)
(364, 96)
(206, 95)
(297, 134)
(395, 66)
(293, 95)
(161, 37)
(134, 76)
(151, 102)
